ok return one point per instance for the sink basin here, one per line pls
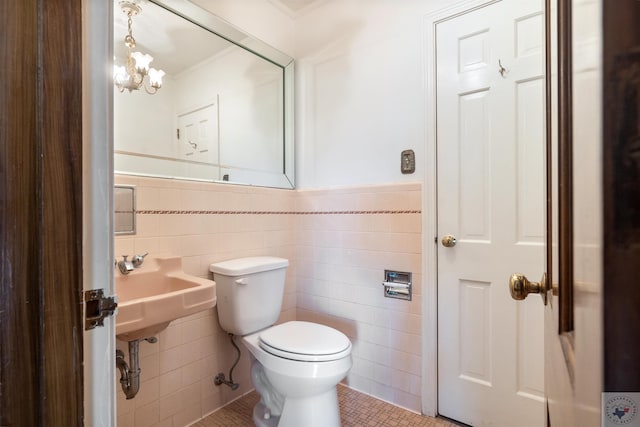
(155, 294)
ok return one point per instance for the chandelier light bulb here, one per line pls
(120, 75)
(155, 77)
(142, 61)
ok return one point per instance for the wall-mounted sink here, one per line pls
(157, 293)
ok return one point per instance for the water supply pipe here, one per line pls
(220, 378)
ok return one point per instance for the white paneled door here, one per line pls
(491, 200)
(198, 134)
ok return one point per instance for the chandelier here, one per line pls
(131, 76)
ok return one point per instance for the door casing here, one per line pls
(99, 344)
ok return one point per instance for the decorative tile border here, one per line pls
(206, 212)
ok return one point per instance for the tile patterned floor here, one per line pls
(356, 410)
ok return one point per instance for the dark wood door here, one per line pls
(591, 344)
(41, 213)
(621, 199)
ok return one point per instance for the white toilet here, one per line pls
(297, 364)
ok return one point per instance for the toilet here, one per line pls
(296, 365)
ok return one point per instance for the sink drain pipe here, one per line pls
(130, 373)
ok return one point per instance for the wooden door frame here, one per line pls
(429, 388)
(41, 380)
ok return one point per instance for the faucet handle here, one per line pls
(137, 260)
(125, 265)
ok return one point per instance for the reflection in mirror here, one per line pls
(124, 201)
(223, 112)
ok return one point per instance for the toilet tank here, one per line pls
(249, 292)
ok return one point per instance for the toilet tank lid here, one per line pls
(249, 265)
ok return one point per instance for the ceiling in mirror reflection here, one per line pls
(175, 45)
(293, 7)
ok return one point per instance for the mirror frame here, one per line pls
(210, 22)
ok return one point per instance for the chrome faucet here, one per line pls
(127, 266)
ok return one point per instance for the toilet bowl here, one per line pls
(296, 365)
(296, 368)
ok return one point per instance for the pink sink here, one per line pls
(155, 294)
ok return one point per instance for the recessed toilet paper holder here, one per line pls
(397, 284)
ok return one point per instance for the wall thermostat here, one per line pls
(408, 161)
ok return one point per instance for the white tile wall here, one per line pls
(337, 263)
(177, 372)
(340, 264)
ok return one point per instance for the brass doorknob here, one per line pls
(520, 287)
(448, 241)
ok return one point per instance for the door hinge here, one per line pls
(178, 133)
(97, 308)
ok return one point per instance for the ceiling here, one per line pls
(294, 6)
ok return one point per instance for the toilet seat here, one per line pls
(305, 342)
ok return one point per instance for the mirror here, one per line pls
(124, 203)
(224, 112)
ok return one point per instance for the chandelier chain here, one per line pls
(129, 41)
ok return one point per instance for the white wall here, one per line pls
(249, 92)
(143, 123)
(146, 124)
(360, 91)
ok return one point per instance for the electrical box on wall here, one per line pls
(408, 161)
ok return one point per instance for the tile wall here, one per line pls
(338, 241)
(190, 220)
(340, 263)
